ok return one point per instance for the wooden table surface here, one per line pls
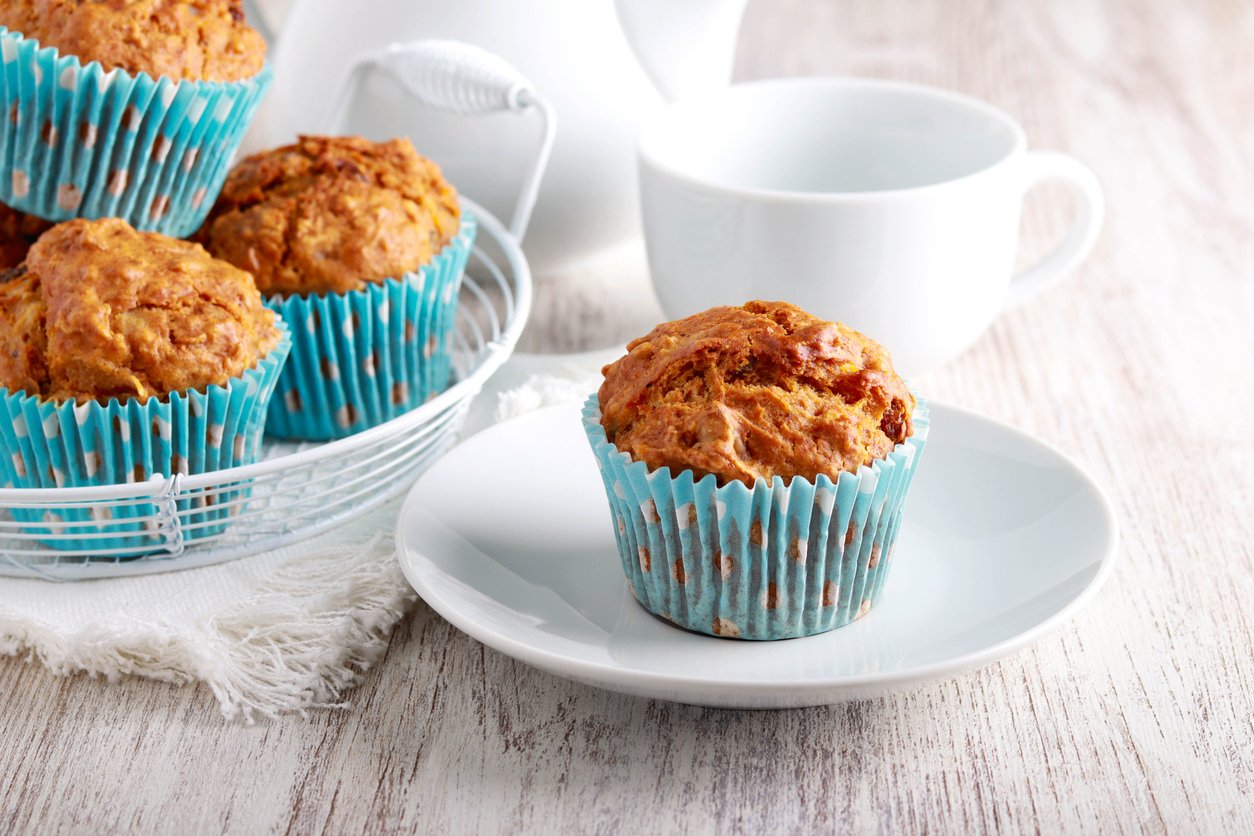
(1136, 717)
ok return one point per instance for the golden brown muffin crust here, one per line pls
(181, 39)
(101, 311)
(329, 214)
(18, 231)
(23, 339)
(753, 392)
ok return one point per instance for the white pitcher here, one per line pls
(605, 65)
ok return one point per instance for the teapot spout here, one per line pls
(684, 46)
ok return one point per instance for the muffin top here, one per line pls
(329, 214)
(181, 39)
(18, 231)
(755, 392)
(100, 311)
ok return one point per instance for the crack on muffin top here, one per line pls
(754, 392)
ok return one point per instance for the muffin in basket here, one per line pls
(124, 356)
(756, 461)
(125, 109)
(361, 247)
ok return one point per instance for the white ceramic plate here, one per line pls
(509, 538)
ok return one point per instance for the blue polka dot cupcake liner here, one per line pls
(773, 561)
(362, 358)
(82, 142)
(67, 445)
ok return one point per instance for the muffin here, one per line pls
(332, 215)
(18, 231)
(125, 356)
(127, 109)
(362, 246)
(756, 460)
(206, 40)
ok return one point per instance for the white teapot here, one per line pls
(603, 64)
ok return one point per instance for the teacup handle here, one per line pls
(1041, 167)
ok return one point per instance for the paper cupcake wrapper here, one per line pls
(774, 561)
(362, 358)
(64, 445)
(83, 142)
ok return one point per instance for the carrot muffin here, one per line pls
(331, 214)
(364, 243)
(207, 40)
(756, 460)
(755, 392)
(127, 356)
(18, 231)
(100, 311)
(125, 108)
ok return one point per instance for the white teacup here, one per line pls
(891, 207)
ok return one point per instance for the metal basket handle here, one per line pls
(458, 78)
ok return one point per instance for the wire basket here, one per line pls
(296, 490)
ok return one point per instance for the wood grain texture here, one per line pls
(1136, 718)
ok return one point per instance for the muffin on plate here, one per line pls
(361, 246)
(18, 231)
(756, 460)
(125, 356)
(126, 109)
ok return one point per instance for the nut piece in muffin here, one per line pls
(755, 392)
(330, 214)
(18, 231)
(182, 39)
(100, 311)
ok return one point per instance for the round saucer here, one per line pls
(509, 538)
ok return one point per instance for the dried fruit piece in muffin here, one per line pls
(754, 392)
(330, 214)
(101, 311)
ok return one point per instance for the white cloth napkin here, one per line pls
(285, 631)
